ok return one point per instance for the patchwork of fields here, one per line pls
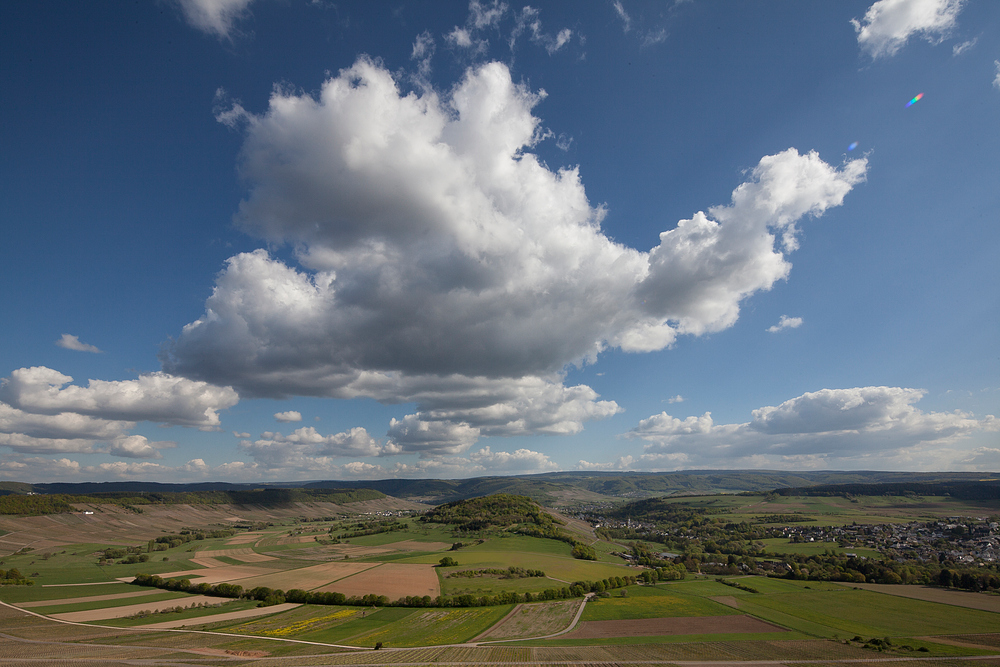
(695, 619)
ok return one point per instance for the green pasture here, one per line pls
(357, 626)
(858, 612)
(781, 545)
(77, 564)
(652, 602)
(836, 510)
(703, 586)
(418, 532)
(15, 594)
(371, 621)
(434, 626)
(563, 568)
(767, 585)
(492, 585)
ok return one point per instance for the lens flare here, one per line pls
(914, 100)
(852, 146)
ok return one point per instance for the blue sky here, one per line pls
(260, 240)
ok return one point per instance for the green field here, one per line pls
(856, 612)
(836, 510)
(77, 563)
(823, 613)
(783, 546)
(653, 602)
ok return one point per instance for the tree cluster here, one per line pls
(267, 596)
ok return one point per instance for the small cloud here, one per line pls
(244, 435)
(290, 416)
(623, 463)
(73, 343)
(786, 322)
(676, 399)
(996, 79)
(889, 24)
(563, 142)
(959, 49)
(623, 15)
(459, 37)
(215, 17)
(423, 51)
(654, 37)
(486, 16)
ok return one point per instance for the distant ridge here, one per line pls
(546, 488)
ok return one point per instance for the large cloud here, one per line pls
(888, 24)
(157, 397)
(441, 263)
(816, 428)
(40, 414)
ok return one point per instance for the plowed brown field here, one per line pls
(393, 580)
(306, 578)
(228, 616)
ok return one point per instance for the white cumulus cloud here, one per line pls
(40, 414)
(307, 449)
(821, 428)
(156, 397)
(440, 262)
(889, 24)
(289, 416)
(785, 322)
(71, 342)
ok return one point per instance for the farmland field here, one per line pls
(662, 604)
(660, 626)
(693, 619)
(534, 620)
(390, 579)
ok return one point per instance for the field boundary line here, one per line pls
(579, 613)
(498, 623)
(51, 642)
(87, 583)
(197, 632)
(719, 663)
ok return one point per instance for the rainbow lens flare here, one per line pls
(914, 100)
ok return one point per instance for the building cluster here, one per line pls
(957, 539)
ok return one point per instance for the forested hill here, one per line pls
(553, 489)
(56, 503)
(501, 510)
(980, 490)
